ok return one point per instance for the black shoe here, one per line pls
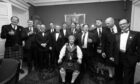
(21, 71)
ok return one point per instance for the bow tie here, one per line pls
(124, 31)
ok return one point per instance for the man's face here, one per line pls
(78, 26)
(58, 28)
(85, 28)
(124, 24)
(14, 21)
(71, 39)
(42, 28)
(30, 23)
(98, 23)
(72, 25)
(109, 23)
(64, 26)
(52, 25)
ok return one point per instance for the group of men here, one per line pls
(110, 45)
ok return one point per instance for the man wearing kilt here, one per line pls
(13, 35)
(70, 59)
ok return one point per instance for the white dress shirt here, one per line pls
(57, 35)
(52, 30)
(64, 31)
(114, 29)
(43, 34)
(63, 50)
(99, 29)
(85, 39)
(14, 27)
(31, 28)
(123, 41)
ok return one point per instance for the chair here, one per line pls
(9, 71)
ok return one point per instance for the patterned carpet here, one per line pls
(37, 78)
(53, 78)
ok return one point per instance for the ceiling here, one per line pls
(59, 2)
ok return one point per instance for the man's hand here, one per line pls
(138, 63)
(99, 50)
(50, 48)
(43, 44)
(103, 55)
(11, 32)
(30, 33)
(112, 59)
(79, 61)
(59, 61)
(89, 40)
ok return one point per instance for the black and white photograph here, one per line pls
(69, 41)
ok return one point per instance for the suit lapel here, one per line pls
(118, 40)
(129, 40)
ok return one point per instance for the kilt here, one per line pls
(15, 54)
(70, 66)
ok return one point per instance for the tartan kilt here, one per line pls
(70, 66)
(15, 54)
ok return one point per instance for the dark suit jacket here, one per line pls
(56, 45)
(105, 40)
(12, 40)
(39, 39)
(29, 39)
(118, 29)
(132, 54)
(90, 46)
(65, 37)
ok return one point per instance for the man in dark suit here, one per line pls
(73, 29)
(102, 46)
(85, 41)
(110, 23)
(29, 38)
(65, 32)
(52, 28)
(127, 51)
(13, 35)
(43, 46)
(56, 44)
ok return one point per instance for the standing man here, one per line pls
(13, 35)
(52, 28)
(29, 38)
(65, 32)
(110, 23)
(85, 41)
(43, 45)
(56, 44)
(127, 51)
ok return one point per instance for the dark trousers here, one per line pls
(124, 74)
(54, 58)
(43, 60)
(29, 58)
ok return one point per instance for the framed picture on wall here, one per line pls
(76, 18)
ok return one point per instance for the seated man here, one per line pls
(70, 58)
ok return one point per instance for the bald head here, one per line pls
(109, 22)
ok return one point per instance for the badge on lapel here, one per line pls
(130, 37)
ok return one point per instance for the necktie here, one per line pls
(124, 31)
(14, 26)
(83, 38)
(112, 30)
(100, 33)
